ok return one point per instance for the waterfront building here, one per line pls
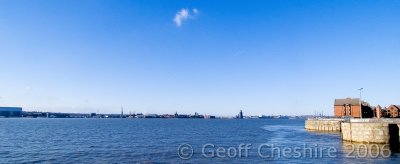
(354, 108)
(209, 117)
(240, 115)
(196, 115)
(393, 111)
(10, 111)
(151, 116)
(378, 112)
(139, 115)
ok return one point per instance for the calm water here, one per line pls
(157, 140)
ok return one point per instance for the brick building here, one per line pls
(378, 112)
(352, 108)
(393, 111)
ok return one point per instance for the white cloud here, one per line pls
(184, 14)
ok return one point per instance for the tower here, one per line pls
(241, 114)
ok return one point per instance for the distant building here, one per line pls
(139, 115)
(197, 115)
(393, 111)
(151, 116)
(240, 115)
(352, 108)
(209, 117)
(10, 111)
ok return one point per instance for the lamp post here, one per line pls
(360, 102)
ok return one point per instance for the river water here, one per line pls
(178, 141)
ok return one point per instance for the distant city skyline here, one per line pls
(212, 57)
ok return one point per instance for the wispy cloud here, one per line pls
(183, 15)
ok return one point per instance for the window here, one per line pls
(350, 110)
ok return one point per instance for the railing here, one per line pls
(384, 120)
(327, 119)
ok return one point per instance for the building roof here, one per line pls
(349, 101)
(397, 106)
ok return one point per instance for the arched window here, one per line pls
(350, 109)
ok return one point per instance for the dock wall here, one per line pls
(382, 131)
(327, 125)
(385, 131)
(368, 132)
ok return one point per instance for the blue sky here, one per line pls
(264, 57)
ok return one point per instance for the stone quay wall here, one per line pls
(327, 125)
(382, 131)
(367, 132)
(371, 130)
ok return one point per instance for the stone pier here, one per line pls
(384, 131)
(326, 125)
